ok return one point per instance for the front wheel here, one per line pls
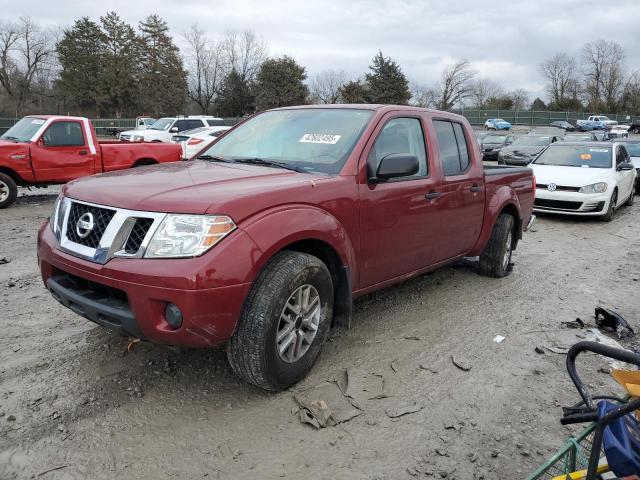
(495, 261)
(8, 190)
(607, 217)
(284, 322)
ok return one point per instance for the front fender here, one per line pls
(273, 230)
(503, 197)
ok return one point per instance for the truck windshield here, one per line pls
(575, 156)
(24, 130)
(310, 139)
(162, 124)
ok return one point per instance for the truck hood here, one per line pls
(9, 148)
(569, 176)
(193, 187)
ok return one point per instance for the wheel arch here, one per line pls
(13, 174)
(144, 161)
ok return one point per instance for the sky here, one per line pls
(505, 41)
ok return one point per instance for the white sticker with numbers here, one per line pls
(320, 138)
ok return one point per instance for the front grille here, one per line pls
(559, 187)
(559, 204)
(136, 237)
(101, 218)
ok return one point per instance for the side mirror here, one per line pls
(174, 130)
(625, 166)
(397, 165)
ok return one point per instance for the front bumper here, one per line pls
(571, 203)
(516, 161)
(131, 295)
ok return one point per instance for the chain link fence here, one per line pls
(107, 126)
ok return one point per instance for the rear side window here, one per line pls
(194, 124)
(64, 134)
(215, 123)
(454, 153)
(399, 135)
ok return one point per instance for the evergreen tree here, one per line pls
(538, 104)
(163, 80)
(79, 53)
(118, 78)
(386, 82)
(235, 98)
(354, 92)
(279, 83)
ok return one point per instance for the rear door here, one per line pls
(399, 222)
(462, 202)
(61, 153)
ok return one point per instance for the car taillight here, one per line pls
(195, 141)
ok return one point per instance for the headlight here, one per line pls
(188, 235)
(599, 187)
(57, 216)
(137, 138)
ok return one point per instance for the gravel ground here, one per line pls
(75, 403)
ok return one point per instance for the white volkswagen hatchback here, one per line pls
(590, 179)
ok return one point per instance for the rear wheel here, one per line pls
(607, 217)
(495, 261)
(632, 197)
(284, 323)
(8, 190)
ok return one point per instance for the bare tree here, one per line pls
(325, 86)
(205, 66)
(26, 51)
(455, 84)
(520, 98)
(631, 94)
(425, 97)
(603, 64)
(482, 89)
(244, 52)
(560, 72)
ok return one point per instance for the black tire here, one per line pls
(632, 198)
(8, 190)
(607, 217)
(252, 350)
(495, 261)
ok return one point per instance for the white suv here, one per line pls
(162, 130)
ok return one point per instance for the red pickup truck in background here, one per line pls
(43, 150)
(265, 239)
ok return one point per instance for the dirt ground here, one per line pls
(75, 404)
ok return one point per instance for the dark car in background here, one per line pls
(492, 144)
(566, 126)
(582, 137)
(633, 147)
(635, 126)
(525, 149)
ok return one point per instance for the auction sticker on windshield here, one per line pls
(37, 121)
(320, 138)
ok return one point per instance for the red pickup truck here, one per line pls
(44, 149)
(266, 238)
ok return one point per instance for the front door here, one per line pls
(399, 223)
(61, 153)
(462, 202)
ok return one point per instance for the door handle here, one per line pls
(432, 195)
(82, 152)
(475, 188)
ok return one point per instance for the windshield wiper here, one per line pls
(269, 163)
(15, 139)
(213, 158)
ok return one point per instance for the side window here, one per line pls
(399, 135)
(625, 154)
(64, 134)
(619, 156)
(181, 125)
(215, 123)
(462, 147)
(191, 124)
(454, 153)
